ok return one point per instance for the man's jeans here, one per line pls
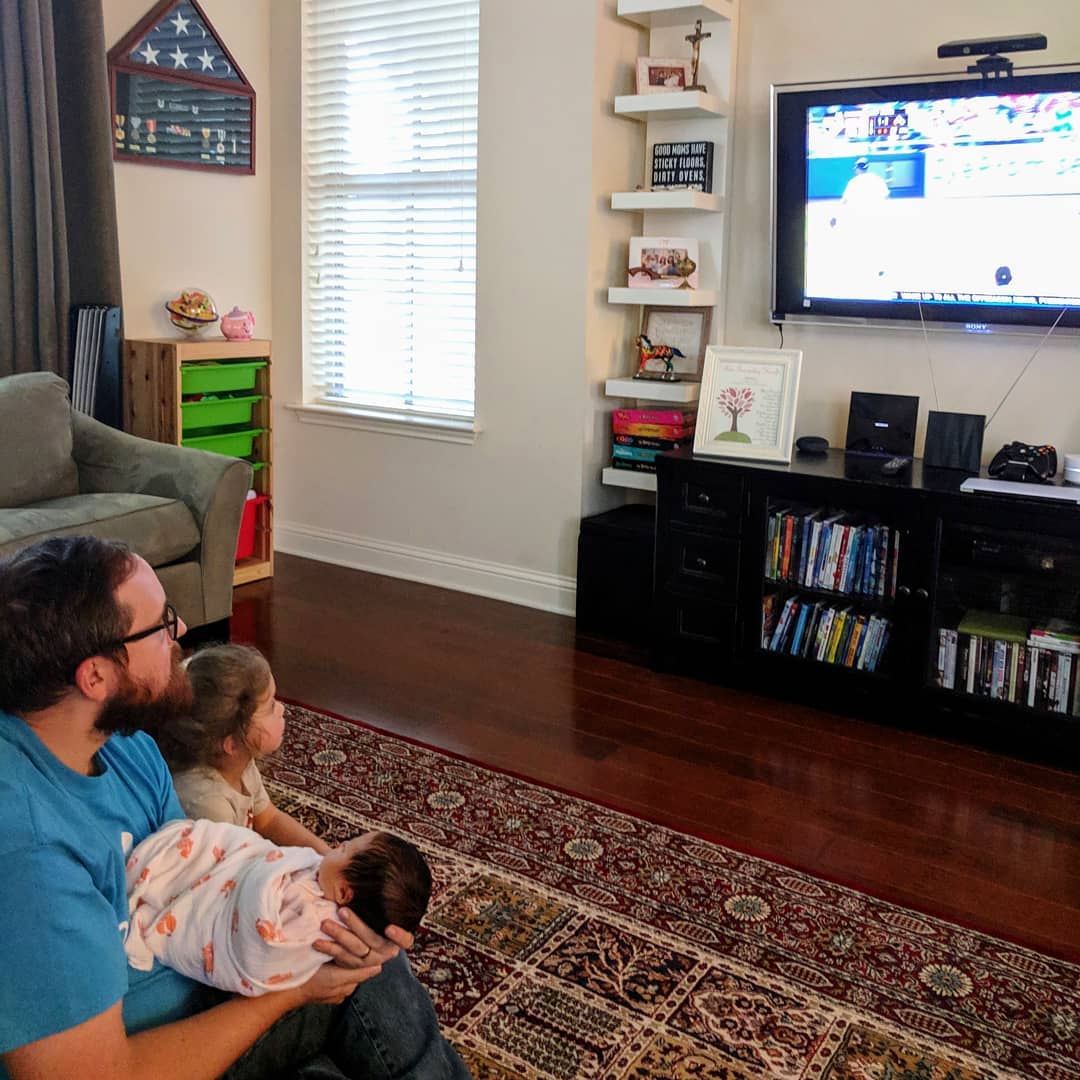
(386, 1029)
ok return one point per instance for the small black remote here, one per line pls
(895, 466)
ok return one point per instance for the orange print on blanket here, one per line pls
(208, 958)
(275, 979)
(273, 856)
(235, 921)
(166, 924)
(144, 876)
(228, 886)
(268, 931)
(185, 846)
(219, 854)
(202, 881)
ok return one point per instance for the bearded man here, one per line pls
(89, 662)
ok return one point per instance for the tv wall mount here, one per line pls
(991, 64)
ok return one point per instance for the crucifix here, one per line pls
(695, 39)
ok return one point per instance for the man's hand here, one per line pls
(355, 946)
(331, 985)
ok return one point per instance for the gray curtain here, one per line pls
(58, 240)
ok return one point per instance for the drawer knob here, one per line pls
(703, 498)
(701, 563)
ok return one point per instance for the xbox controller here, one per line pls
(1019, 461)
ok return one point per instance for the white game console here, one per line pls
(976, 485)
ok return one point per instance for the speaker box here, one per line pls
(954, 441)
(615, 573)
(882, 424)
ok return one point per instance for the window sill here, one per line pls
(387, 423)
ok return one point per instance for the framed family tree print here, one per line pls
(747, 404)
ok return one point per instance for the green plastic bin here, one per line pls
(212, 377)
(230, 443)
(218, 412)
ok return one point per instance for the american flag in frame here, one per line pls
(179, 98)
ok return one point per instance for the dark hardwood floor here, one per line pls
(979, 838)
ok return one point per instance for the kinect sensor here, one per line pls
(992, 46)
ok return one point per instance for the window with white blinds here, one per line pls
(390, 117)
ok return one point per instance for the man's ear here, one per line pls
(95, 677)
(344, 894)
(229, 745)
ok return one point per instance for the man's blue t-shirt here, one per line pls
(64, 839)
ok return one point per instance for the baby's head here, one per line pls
(233, 711)
(384, 879)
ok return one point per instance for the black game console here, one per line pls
(1019, 461)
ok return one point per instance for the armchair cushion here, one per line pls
(160, 530)
(36, 439)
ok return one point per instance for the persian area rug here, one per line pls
(565, 940)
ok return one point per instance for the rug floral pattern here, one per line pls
(567, 940)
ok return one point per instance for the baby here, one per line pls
(223, 905)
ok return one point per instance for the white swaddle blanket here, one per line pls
(219, 903)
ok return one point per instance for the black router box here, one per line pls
(882, 424)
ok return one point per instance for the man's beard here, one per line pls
(135, 707)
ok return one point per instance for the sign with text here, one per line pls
(682, 166)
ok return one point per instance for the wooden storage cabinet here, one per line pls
(718, 561)
(213, 394)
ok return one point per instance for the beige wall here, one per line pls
(501, 516)
(181, 227)
(792, 41)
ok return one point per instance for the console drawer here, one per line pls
(703, 564)
(701, 623)
(715, 503)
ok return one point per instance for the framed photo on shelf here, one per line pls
(662, 76)
(747, 403)
(663, 262)
(685, 329)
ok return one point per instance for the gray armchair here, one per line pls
(62, 473)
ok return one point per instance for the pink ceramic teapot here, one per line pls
(238, 325)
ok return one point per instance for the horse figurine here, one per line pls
(648, 353)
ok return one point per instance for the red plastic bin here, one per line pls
(245, 541)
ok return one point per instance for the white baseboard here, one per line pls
(531, 588)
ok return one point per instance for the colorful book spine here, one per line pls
(634, 453)
(677, 432)
(634, 466)
(646, 442)
(674, 417)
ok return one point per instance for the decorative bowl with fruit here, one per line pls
(192, 311)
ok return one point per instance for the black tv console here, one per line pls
(902, 600)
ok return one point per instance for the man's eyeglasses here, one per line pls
(170, 622)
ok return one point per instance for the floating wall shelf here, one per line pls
(643, 481)
(666, 200)
(685, 393)
(656, 13)
(664, 297)
(683, 105)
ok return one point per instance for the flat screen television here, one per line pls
(952, 200)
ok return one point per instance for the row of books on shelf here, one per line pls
(820, 631)
(639, 435)
(835, 551)
(1006, 658)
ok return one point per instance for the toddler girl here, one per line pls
(235, 720)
